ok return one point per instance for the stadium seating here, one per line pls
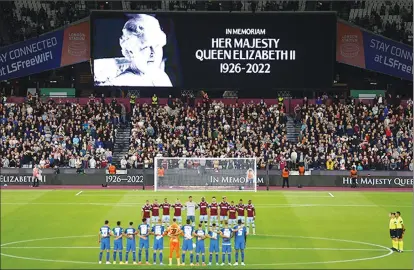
(57, 134)
(23, 19)
(207, 130)
(339, 136)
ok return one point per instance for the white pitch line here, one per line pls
(134, 204)
(330, 194)
(79, 193)
(251, 248)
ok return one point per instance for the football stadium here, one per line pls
(206, 134)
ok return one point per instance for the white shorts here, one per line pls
(166, 219)
(179, 219)
(241, 218)
(203, 218)
(213, 219)
(232, 222)
(223, 218)
(154, 219)
(250, 220)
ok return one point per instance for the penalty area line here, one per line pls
(79, 193)
(330, 194)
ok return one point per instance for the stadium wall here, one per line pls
(98, 177)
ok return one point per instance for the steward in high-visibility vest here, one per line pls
(354, 176)
(112, 169)
(285, 176)
(280, 100)
(154, 100)
(301, 170)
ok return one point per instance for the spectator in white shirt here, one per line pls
(123, 163)
(92, 163)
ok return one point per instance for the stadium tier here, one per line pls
(259, 134)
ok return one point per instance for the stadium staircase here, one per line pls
(121, 145)
(292, 129)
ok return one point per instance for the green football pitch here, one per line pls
(294, 229)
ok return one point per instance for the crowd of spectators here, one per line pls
(57, 134)
(337, 136)
(35, 22)
(395, 30)
(209, 129)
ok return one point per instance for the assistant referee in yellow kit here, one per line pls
(393, 231)
(400, 231)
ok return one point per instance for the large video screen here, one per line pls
(213, 50)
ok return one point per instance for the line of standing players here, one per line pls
(226, 232)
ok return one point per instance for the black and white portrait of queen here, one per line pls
(143, 62)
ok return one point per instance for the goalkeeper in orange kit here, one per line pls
(174, 232)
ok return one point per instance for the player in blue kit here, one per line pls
(143, 231)
(200, 248)
(158, 232)
(104, 234)
(226, 233)
(214, 236)
(240, 236)
(131, 246)
(118, 232)
(188, 232)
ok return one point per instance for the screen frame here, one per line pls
(96, 14)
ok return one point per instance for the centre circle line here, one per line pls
(266, 264)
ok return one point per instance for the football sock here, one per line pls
(120, 256)
(100, 256)
(401, 244)
(170, 260)
(197, 258)
(254, 230)
(395, 244)
(178, 261)
(160, 257)
(203, 258)
(210, 258)
(154, 257)
(134, 256)
(191, 258)
(242, 255)
(146, 255)
(107, 256)
(183, 257)
(217, 256)
(229, 257)
(139, 255)
(237, 256)
(126, 256)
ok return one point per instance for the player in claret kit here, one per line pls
(213, 211)
(146, 211)
(178, 207)
(188, 231)
(232, 214)
(165, 212)
(251, 216)
(155, 212)
(158, 232)
(224, 206)
(241, 211)
(203, 205)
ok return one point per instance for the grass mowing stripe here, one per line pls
(249, 248)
